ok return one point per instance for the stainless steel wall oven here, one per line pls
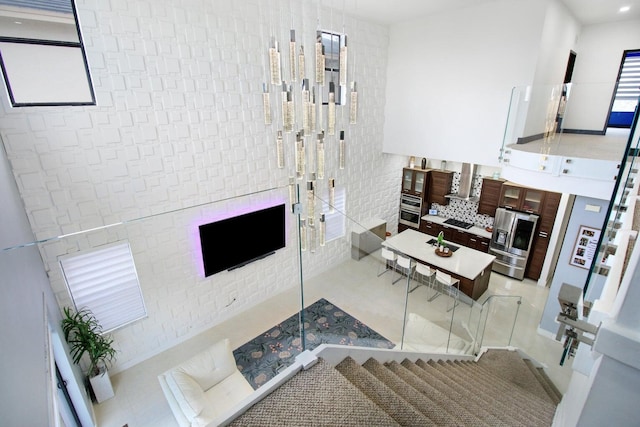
(410, 210)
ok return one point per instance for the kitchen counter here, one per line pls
(478, 231)
(471, 267)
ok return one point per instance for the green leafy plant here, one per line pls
(84, 334)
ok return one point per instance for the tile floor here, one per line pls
(354, 287)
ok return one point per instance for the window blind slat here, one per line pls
(106, 282)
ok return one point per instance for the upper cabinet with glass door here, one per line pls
(521, 198)
(414, 181)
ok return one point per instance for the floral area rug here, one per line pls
(263, 357)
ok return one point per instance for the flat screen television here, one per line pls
(236, 241)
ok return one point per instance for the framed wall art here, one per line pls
(585, 247)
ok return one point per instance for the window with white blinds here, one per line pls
(629, 83)
(335, 221)
(106, 282)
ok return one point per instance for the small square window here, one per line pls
(106, 282)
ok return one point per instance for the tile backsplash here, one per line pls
(464, 210)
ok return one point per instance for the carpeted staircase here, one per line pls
(500, 389)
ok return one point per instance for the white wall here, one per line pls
(450, 78)
(559, 36)
(26, 308)
(565, 272)
(599, 54)
(177, 127)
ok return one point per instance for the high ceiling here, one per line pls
(587, 12)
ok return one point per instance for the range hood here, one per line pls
(467, 174)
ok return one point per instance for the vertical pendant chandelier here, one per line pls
(308, 121)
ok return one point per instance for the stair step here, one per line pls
(428, 406)
(510, 366)
(447, 400)
(501, 400)
(394, 405)
(546, 382)
(319, 395)
(483, 409)
(500, 389)
(527, 403)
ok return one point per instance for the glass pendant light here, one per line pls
(312, 238)
(311, 200)
(283, 105)
(306, 107)
(293, 194)
(320, 60)
(301, 64)
(280, 150)
(292, 57)
(274, 63)
(343, 62)
(266, 104)
(300, 156)
(332, 195)
(303, 235)
(341, 151)
(331, 110)
(312, 111)
(320, 156)
(322, 232)
(291, 112)
(353, 106)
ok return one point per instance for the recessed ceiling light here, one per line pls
(624, 9)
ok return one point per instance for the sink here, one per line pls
(451, 247)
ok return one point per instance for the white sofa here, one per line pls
(205, 386)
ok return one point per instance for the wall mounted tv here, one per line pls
(235, 242)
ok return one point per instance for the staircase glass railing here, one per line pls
(543, 119)
(493, 322)
(557, 138)
(619, 217)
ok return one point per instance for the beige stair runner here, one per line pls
(501, 389)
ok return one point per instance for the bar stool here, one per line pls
(389, 257)
(450, 285)
(404, 266)
(426, 272)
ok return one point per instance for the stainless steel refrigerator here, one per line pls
(513, 232)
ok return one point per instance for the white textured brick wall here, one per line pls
(178, 126)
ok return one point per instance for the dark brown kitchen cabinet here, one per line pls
(430, 228)
(439, 186)
(479, 243)
(521, 198)
(454, 235)
(490, 196)
(460, 237)
(414, 181)
(540, 244)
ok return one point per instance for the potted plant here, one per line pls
(84, 334)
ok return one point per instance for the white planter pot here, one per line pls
(101, 386)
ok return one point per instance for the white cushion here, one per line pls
(226, 394)
(206, 385)
(187, 392)
(211, 366)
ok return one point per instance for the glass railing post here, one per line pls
(513, 325)
(406, 304)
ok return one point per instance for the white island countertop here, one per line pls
(464, 262)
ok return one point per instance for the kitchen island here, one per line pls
(471, 267)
